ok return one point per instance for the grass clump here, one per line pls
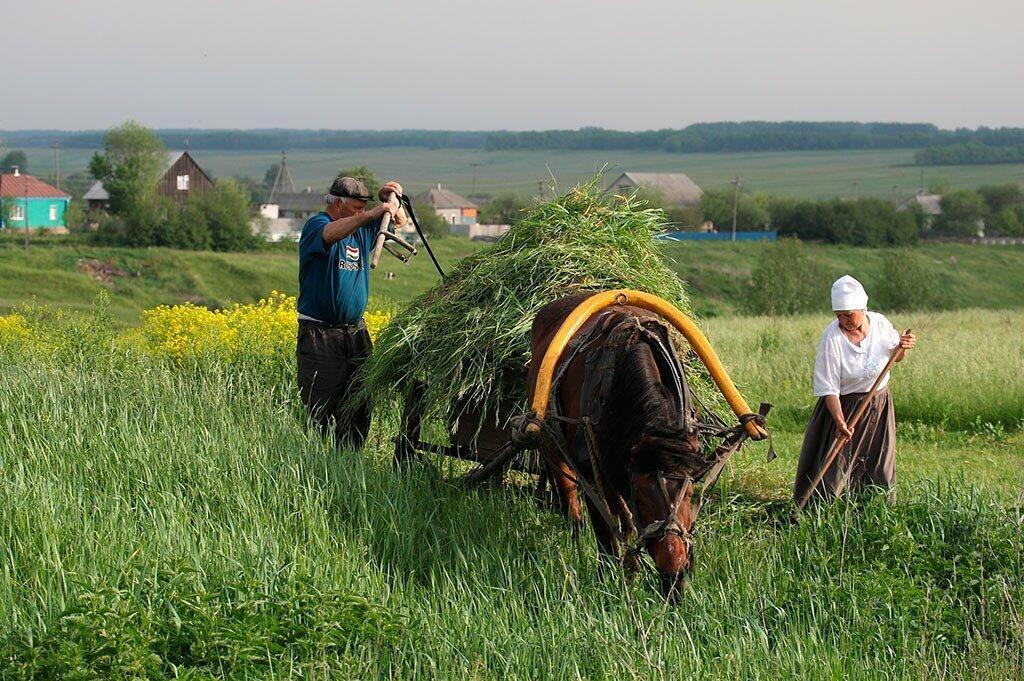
(179, 621)
(468, 338)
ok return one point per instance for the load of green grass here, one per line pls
(466, 342)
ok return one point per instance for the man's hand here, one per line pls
(389, 187)
(843, 430)
(908, 340)
(385, 207)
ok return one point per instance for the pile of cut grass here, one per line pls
(468, 338)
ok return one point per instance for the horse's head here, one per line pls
(662, 467)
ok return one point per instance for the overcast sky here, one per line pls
(524, 64)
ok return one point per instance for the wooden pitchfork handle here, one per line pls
(385, 222)
(842, 441)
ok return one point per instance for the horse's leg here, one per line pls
(409, 427)
(607, 545)
(561, 477)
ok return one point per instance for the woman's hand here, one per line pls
(843, 430)
(908, 340)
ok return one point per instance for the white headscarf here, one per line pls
(848, 294)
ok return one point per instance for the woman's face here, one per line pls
(850, 320)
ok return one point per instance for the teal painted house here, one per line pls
(24, 195)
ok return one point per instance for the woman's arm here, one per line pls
(836, 409)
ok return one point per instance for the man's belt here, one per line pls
(358, 326)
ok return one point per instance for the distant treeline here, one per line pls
(263, 140)
(700, 137)
(970, 153)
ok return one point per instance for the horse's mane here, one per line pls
(643, 413)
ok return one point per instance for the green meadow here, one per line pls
(885, 173)
(176, 519)
(165, 520)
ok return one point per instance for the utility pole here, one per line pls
(540, 189)
(26, 210)
(473, 193)
(856, 190)
(56, 161)
(735, 201)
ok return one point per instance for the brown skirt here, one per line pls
(873, 449)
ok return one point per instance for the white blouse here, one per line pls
(841, 368)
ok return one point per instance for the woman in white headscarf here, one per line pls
(852, 351)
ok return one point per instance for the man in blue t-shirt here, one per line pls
(334, 284)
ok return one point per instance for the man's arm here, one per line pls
(342, 227)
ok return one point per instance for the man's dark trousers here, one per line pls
(329, 359)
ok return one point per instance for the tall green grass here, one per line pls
(160, 521)
(967, 370)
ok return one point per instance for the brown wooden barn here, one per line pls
(184, 179)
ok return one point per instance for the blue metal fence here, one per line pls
(770, 235)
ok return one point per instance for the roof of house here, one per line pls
(439, 197)
(299, 201)
(97, 192)
(12, 185)
(931, 204)
(675, 188)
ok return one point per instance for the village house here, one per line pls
(452, 208)
(930, 205)
(181, 179)
(282, 217)
(675, 189)
(28, 201)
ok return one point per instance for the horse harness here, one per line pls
(622, 331)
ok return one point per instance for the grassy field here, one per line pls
(983, 277)
(165, 520)
(810, 174)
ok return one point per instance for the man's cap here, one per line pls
(350, 187)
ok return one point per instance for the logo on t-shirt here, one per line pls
(351, 260)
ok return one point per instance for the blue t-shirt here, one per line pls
(334, 281)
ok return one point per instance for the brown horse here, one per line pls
(648, 452)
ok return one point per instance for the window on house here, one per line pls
(183, 183)
(53, 212)
(17, 212)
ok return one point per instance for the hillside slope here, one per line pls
(70, 275)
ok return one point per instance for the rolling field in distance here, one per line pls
(810, 174)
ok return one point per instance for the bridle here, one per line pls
(670, 525)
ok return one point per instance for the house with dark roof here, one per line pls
(453, 209)
(182, 178)
(28, 201)
(675, 189)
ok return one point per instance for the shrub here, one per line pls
(504, 209)
(962, 210)
(866, 222)
(1007, 222)
(786, 280)
(906, 284)
(226, 211)
(432, 224)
